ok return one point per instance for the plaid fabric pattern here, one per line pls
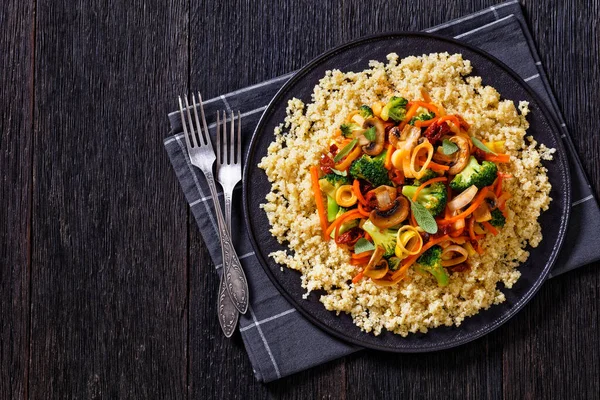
(278, 339)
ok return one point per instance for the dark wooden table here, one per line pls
(106, 289)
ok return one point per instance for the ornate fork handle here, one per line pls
(235, 279)
(228, 314)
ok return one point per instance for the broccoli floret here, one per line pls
(393, 263)
(349, 128)
(331, 182)
(395, 109)
(431, 261)
(480, 175)
(433, 197)
(371, 169)
(336, 180)
(422, 117)
(386, 238)
(429, 174)
(498, 220)
(366, 111)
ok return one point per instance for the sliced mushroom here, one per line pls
(491, 199)
(383, 197)
(394, 137)
(462, 199)
(375, 269)
(375, 147)
(461, 157)
(393, 216)
(378, 270)
(362, 140)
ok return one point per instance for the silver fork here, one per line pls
(202, 156)
(229, 173)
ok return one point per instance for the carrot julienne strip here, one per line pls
(358, 277)
(425, 95)
(365, 254)
(498, 189)
(451, 118)
(499, 158)
(314, 173)
(388, 157)
(409, 114)
(426, 123)
(362, 210)
(435, 166)
(490, 228)
(354, 154)
(471, 225)
(429, 106)
(352, 214)
(356, 190)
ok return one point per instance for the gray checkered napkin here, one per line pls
(278, 339)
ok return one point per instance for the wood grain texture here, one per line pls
(110, 224)
(123, 292)
(16, 109)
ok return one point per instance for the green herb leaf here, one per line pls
(363, 245)
(345, 151)
(366, 111)
(423, 217)
(448, 147)
(479, 144)
(371, 134)
(340, 173)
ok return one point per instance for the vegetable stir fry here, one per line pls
(404, 184)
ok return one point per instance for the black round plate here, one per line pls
(355, 56)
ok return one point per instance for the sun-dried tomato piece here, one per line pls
(396, 176)
(364, 186)
(479, 154)
(371, 199)
(326, 163)
(350, 237)
(333, 149)
(435, 131)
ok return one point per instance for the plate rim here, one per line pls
(522, 301)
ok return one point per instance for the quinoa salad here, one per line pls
(406, 193)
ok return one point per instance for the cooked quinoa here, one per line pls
(416, 303)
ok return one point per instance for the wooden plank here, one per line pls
(552, 348)
(110, 223)
(16, 112)
(243, 43)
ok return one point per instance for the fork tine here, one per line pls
(206, 131)
(225, 148)
(203, 137)
(185, 131)
(191, 127)
(219, 133)
(238, 153)
(232, 140)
